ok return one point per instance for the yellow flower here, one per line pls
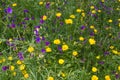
(19, 62)
(12, 68)
(115, 51)
(44, 17)
(48, 49)
(119, 24)
(81, 38)
(92, 41)
(63, 74)
(107, 77)
(65, 47)
(110, 21)
(119, 68)
(83, 14)
(14, 4)
(50, 78)
(58, 14)
(92, 7)
(24, 72)
(94, 77)
(14, 73)
(78, 10)
(3, 59)
(72, 16)
(61, 61)
(0, 8)
(30, 49)
(22, 67)
(95, 30)
(10, 58)
(93, 11)
(10, 39)
(68, 21)
(40, 3)
(97, 57)
(92, 27)
(57, 41)
(94, 69)
(102, 0)
(26, 75)
(75, 53)
(111, 47)
(99, 11)
(0, 61)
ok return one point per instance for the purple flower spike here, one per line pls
(9, 10)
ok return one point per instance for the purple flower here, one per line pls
(61, 23)
(43, 50)
(32, 18)
(13, 25)
(47, 5)
(4, 68)
(20, 55)
(83, 27)
(26, 18)
(37, 39)
(47, 43)
(23, 22)
(37, 26)
(26, 11)
(36, 32)
(92, 34)
(41, 21)
(43, 38)
(9, 10)
(59, 48)
(106, 53)
(117, 76)
(101, 62)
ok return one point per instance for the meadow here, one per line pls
(59, 39)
